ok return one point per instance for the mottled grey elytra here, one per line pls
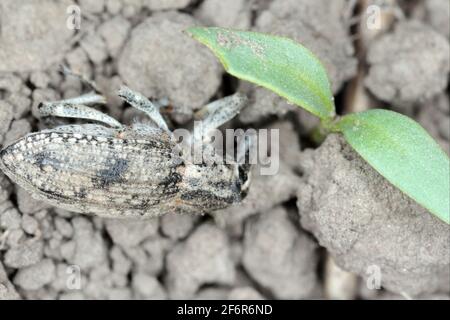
(112, 170)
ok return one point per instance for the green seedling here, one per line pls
(395, 145)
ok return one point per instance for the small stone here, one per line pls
(63, 213)
(27, 204)
(63, 227)
(119, 280)
(18, 129)
(21, 103)
(177, 226)
(91, 6)
(36, 276)
(438, 13)
(114, 32)
(78, 62)
(6, 117)
(5, 189)
(113, 6)
(10, 218)
(148, 287)
(204, 258)
(67, 250)
(99, 285)
(155, 249)
(56, 76)
(278, 256)
(90, 246)
(227, 14)
(48, 230)
(30, 225)
(95, 48)
(15, 237)
(129, 11)
(409, 65)
(41, 215)
(10, 82)
(121, 263)
(99, 272)
(129, 233)
(24, 254)
(25, 91)
(7, 290)
(40, 79)
(53, 247)
(139, 258)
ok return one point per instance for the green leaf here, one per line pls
(276, 63)
(404, 153)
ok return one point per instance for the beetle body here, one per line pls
(132, 171)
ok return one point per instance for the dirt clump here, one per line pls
(204, 258)
(229, 14)
(367, 224)
(34, 43)
(408, 66)
(160, 61)
(279, 256)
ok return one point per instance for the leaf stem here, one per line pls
(325, 127)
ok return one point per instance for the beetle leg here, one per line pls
(85, 99)
(217, 113)
(76, 108)
(140, 102)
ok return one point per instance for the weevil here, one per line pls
(112, 170)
